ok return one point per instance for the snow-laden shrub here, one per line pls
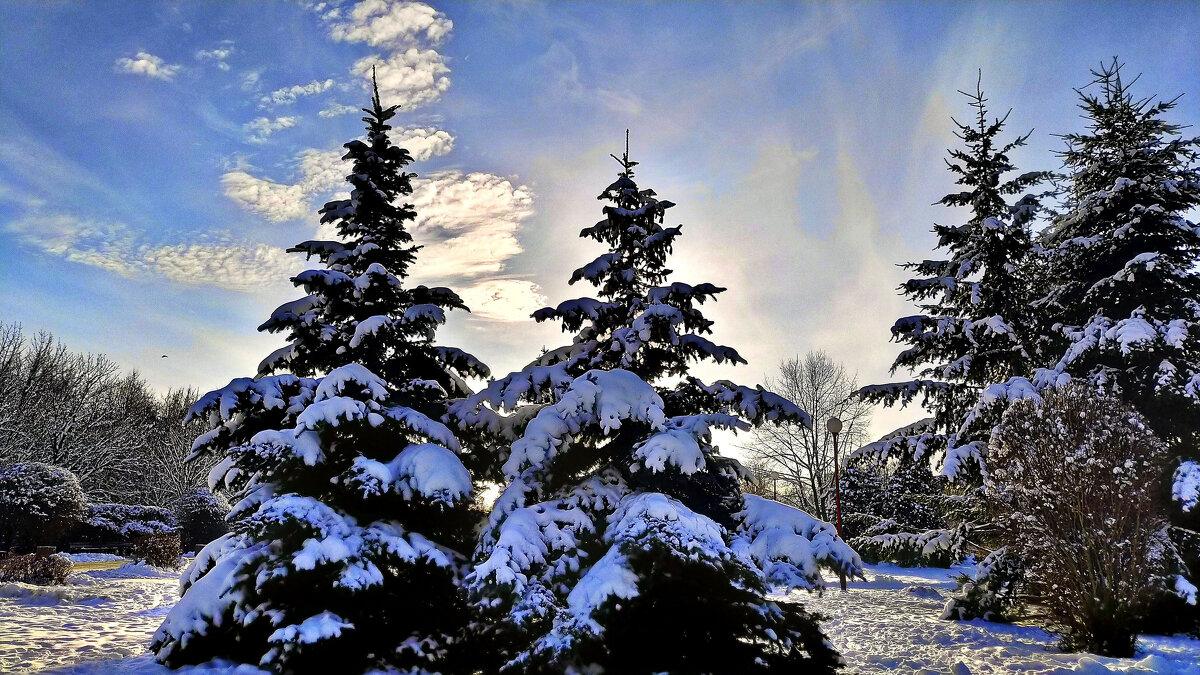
(159, 550)
(888, 541)
(992, 592)
(32, 569)
(38, 504)
(1074, 483)
(201, 517)
(125, 521)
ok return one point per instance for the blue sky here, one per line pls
(156, 158)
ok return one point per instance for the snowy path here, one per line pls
(890, 624)
(102, 622)
(93, 617)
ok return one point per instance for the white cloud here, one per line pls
(337, 110)
(276, 202)
(144, 63)
(112, 246)
(322, 170)
(468, 224)
(259, 129)
(411, 78)
(234, 267)
(250, 80)
(503, 299)
(319, 172)
(393, 24)
(288, 95)
(424, 142)
(219, 54)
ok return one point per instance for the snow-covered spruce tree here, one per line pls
(622, 542)
(344, 553)
(971, 329)
(1123, 312)
(1125, 306)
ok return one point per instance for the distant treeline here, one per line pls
(125, 442)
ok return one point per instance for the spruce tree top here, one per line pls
(357, 309)
(636, 323)
(970, 331)
(1124, 309)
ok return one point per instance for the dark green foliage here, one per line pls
(1125, 257)
(706, 618)
(111, 522)
(354, 510)
(973, 302)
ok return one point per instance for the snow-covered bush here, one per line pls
(991, 592)
(352, 505)
(200, 516)
(1074, 484)
(159, 549)
(39, 503)
(621, 542)
(35, 569)
(889, 541)
(106, 522)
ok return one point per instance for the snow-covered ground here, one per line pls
(890, 624)
(101, 622)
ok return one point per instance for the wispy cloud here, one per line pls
(226, 264)
(218, 55)
(260, 129)
(147, 64)
(288, 95)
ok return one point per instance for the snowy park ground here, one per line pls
(101, 621)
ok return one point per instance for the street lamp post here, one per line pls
(834, 426)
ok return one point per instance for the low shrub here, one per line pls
(32, 569)
(160, 550)
(887, 542)
(992, 592)
(105, 522)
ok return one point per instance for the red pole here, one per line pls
(837, 486)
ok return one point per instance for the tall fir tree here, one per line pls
(972, 330)
(622, 543)
(1123, 311)
(346, 547)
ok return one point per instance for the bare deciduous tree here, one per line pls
(803, 457)
(78, 411)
